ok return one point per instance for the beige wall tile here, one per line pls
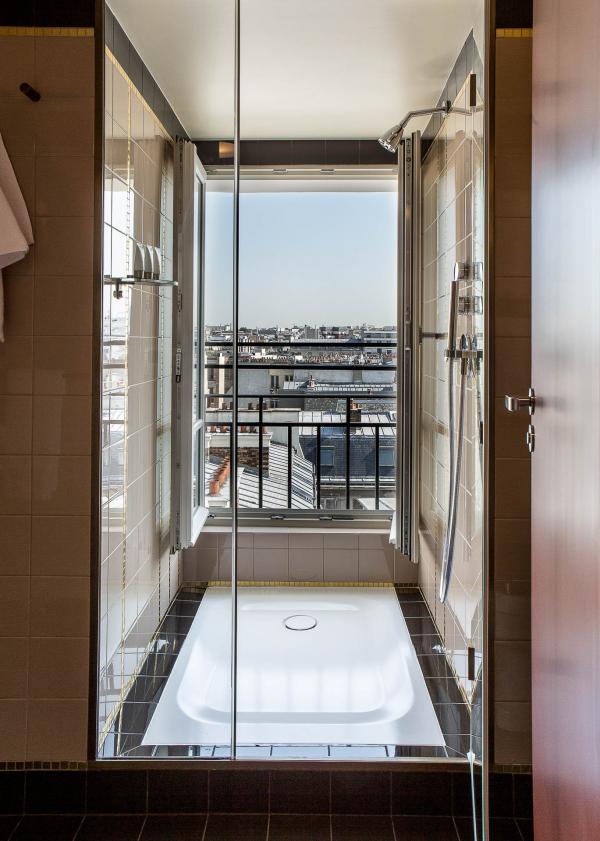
(305, 540)
(64, 245)
(63, 365)
(271, 564)
(340, 564)
(18, 304)
(16, 365)
(24, 169)
(14, 656)
(60, 606)
(306, 564)
(271, 540)
(62, 425)
(375, 565)
(58, 668)
(15, 545)
(65, 68)
(405, 572)
(337, 540)
(513, 68)
(15, 484)
(14, 605)
(15, 425)
(13, 730)
(17, 124)
(60, 545)
(57, 730)
(245, 564)
(61, 485)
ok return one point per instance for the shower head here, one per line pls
(393, 136)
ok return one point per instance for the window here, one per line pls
(327, 457)
(386, 457)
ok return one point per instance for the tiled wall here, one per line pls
(453, 214)
(511, 561)
(298, 556)
(138, 576)
(45, 401)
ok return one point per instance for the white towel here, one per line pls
(16, 234)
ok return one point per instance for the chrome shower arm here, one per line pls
(424, 112)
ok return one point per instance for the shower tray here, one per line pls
(316, 665)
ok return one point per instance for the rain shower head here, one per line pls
(393, 137)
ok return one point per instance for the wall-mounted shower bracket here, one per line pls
(470, 305)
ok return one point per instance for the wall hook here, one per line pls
(30, 92)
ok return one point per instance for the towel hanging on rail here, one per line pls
(16, 234)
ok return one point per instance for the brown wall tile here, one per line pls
(16, 365)
(513, 247)
(64, 245)
(60, 606)
(513, 488)
(16, 63)
(15, 544)
(512, 297)
(18, 304)
(512, 671)
(57, 730)
(55, 64)
(49, 310)
(14, 656)
(15, 425)
(512, 733)
(512, 549)
(61, 485)
(15, 484)
(58, 667)
(63, 365)
(64, 186)
(60, 545)
(14, 605)
(13, 730)
(61, 425)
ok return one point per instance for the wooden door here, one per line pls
(566, 461)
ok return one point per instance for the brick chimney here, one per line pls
(219, 478)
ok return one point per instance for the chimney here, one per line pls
(219, 478)
(355, 413)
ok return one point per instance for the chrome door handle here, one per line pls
(516, 404)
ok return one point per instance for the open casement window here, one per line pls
(188, 491)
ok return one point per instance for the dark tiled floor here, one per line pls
(253, 827)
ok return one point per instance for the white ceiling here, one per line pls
(309, 68)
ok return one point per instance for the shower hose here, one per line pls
(455, 448)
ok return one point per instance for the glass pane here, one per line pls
(158, 603)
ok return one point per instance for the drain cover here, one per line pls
(300, 622)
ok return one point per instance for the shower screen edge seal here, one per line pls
(233, 494)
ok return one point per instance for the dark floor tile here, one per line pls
(523, 793)
(236, 828)
(464, 829)
(360, 792)
(413, 595)
(55, 792)
(361, 828)
(299, 828)
(12, 792)
(239, 791)
(173, 828)
(526, 827)
(504, 829)
(177, 791)
(422, 828)
(7, 824)
(421, 793)
(421, 625)
(301, 792)
(454, 719)
(433, 664)
(46, 827)
(116, 791)
(443, 690)
(422, 751)
(427, 645)
(462, 800)
(110, 828)
(501, 795)
(414, 610)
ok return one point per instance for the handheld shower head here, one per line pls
(393, 136)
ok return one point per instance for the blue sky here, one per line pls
(314, 258)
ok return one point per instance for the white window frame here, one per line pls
(190, 189)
